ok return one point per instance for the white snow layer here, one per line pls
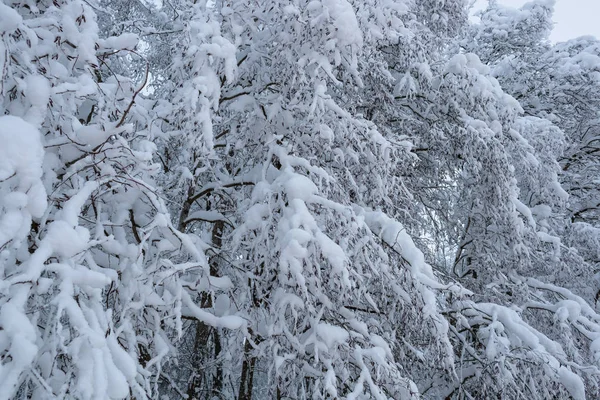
(22, 194)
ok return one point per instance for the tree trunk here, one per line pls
(245, 392)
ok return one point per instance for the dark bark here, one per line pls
(245, 392)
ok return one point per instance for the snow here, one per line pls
(222, 305)
(255, 215)
(572, 383)
(523, 209)
(22, 194)
(21, 154)
(37, 92)
(228, 321)
(124, 41)
(521, 334)
(347, 30)
(9, 18)
(349, 152)
(394, 234)
(90, 135)
(554, 240)
(210, 216)
(331, 335)
(542, 211)
(568, 310)
(567, 294)
(326, 132)
(16, 329)
(65, 240)
(456, 64)
(72, 208)
(298, 186)
(335, 255)
(116, 384)
(80, 276)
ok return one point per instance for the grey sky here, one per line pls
(572, 17)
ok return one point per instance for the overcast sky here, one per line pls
(572, 17)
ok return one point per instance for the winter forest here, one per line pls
(297, 199)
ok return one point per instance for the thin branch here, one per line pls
(143, 85)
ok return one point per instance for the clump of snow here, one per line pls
(572, 383)
(523, 209)
(21, 153)
(20, 333)
(335, 255)
(457, 64)
(226, 321)
(298, 186)
(520, 333)
(394, 235)
(124, 41)
(256, 215)
(568, 310)
(344, 20)
(554, 240)
(121, 358)
(37, 92)
(9, 19)
(22, 194)
(331, 335)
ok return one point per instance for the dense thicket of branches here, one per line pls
(371, 199)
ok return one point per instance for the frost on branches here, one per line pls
(341, 199)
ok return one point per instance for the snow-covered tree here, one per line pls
(95, 275)
(295, 199)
